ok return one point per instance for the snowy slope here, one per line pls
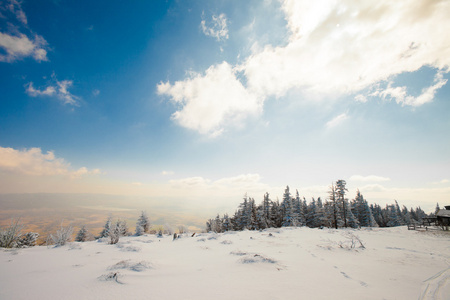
(288, 263)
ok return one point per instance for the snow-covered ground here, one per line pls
(288, 263)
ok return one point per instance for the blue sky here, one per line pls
(203, 101)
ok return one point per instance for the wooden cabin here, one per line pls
(443, 218)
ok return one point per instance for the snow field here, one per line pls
(295, 263)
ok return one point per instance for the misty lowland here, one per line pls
(198, 149)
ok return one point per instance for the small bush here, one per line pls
(10, 236)
(28, 240)
(62, 236)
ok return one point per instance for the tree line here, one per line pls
(334, 212)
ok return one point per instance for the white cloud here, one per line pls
(443, 181)
(235, 185)
(166, 173)
(401, 96)
(369, 178)
(361, 98)
(191, 182)
(15, 43)
(343, 47)
(33, 162)
(335, 48)
(16, 8)
(211, 101)
(336, 120)
(20, 46)
(217, 28)
(57, 88)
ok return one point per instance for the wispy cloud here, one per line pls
(240, 183)
(216, 28)
(167, 173)
(443, 181)
(335, 48)
(369, 178)
(59, 89)
(16, 44)
(15, 7)
(401, 96)
(336, 120)
(36, 163)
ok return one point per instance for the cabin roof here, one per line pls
(443, 213)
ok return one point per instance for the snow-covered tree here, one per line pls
(226, 223)
(340, 191)
(144, 223)
(28, 240)
(437, 209)
(332, 209)
(62, 236)
(123, 227)
(139, 230)
(82, 235)
(107, 227)
(362, 211)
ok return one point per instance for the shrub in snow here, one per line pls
(181, 229)
(28, 240)
(113, 276)
(62, 236)
(10, 235)
(352, 241)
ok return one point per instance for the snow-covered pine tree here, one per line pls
(226, 224)
(144, 222)
(139, 230)
(331, 208)
(287, 209)
(123, 227)
(253, 215)
(393, 216)
(340, 190)
(399, 213)
(209, 225)
(107, 227)
(351, 220)
(313, 216)
(276, 214)
(266, 221)
(217, 224)
(304, 212)
(362, 211)
(437, 209)
(406, 215)
(82, 235)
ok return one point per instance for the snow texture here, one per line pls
(286, 263)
